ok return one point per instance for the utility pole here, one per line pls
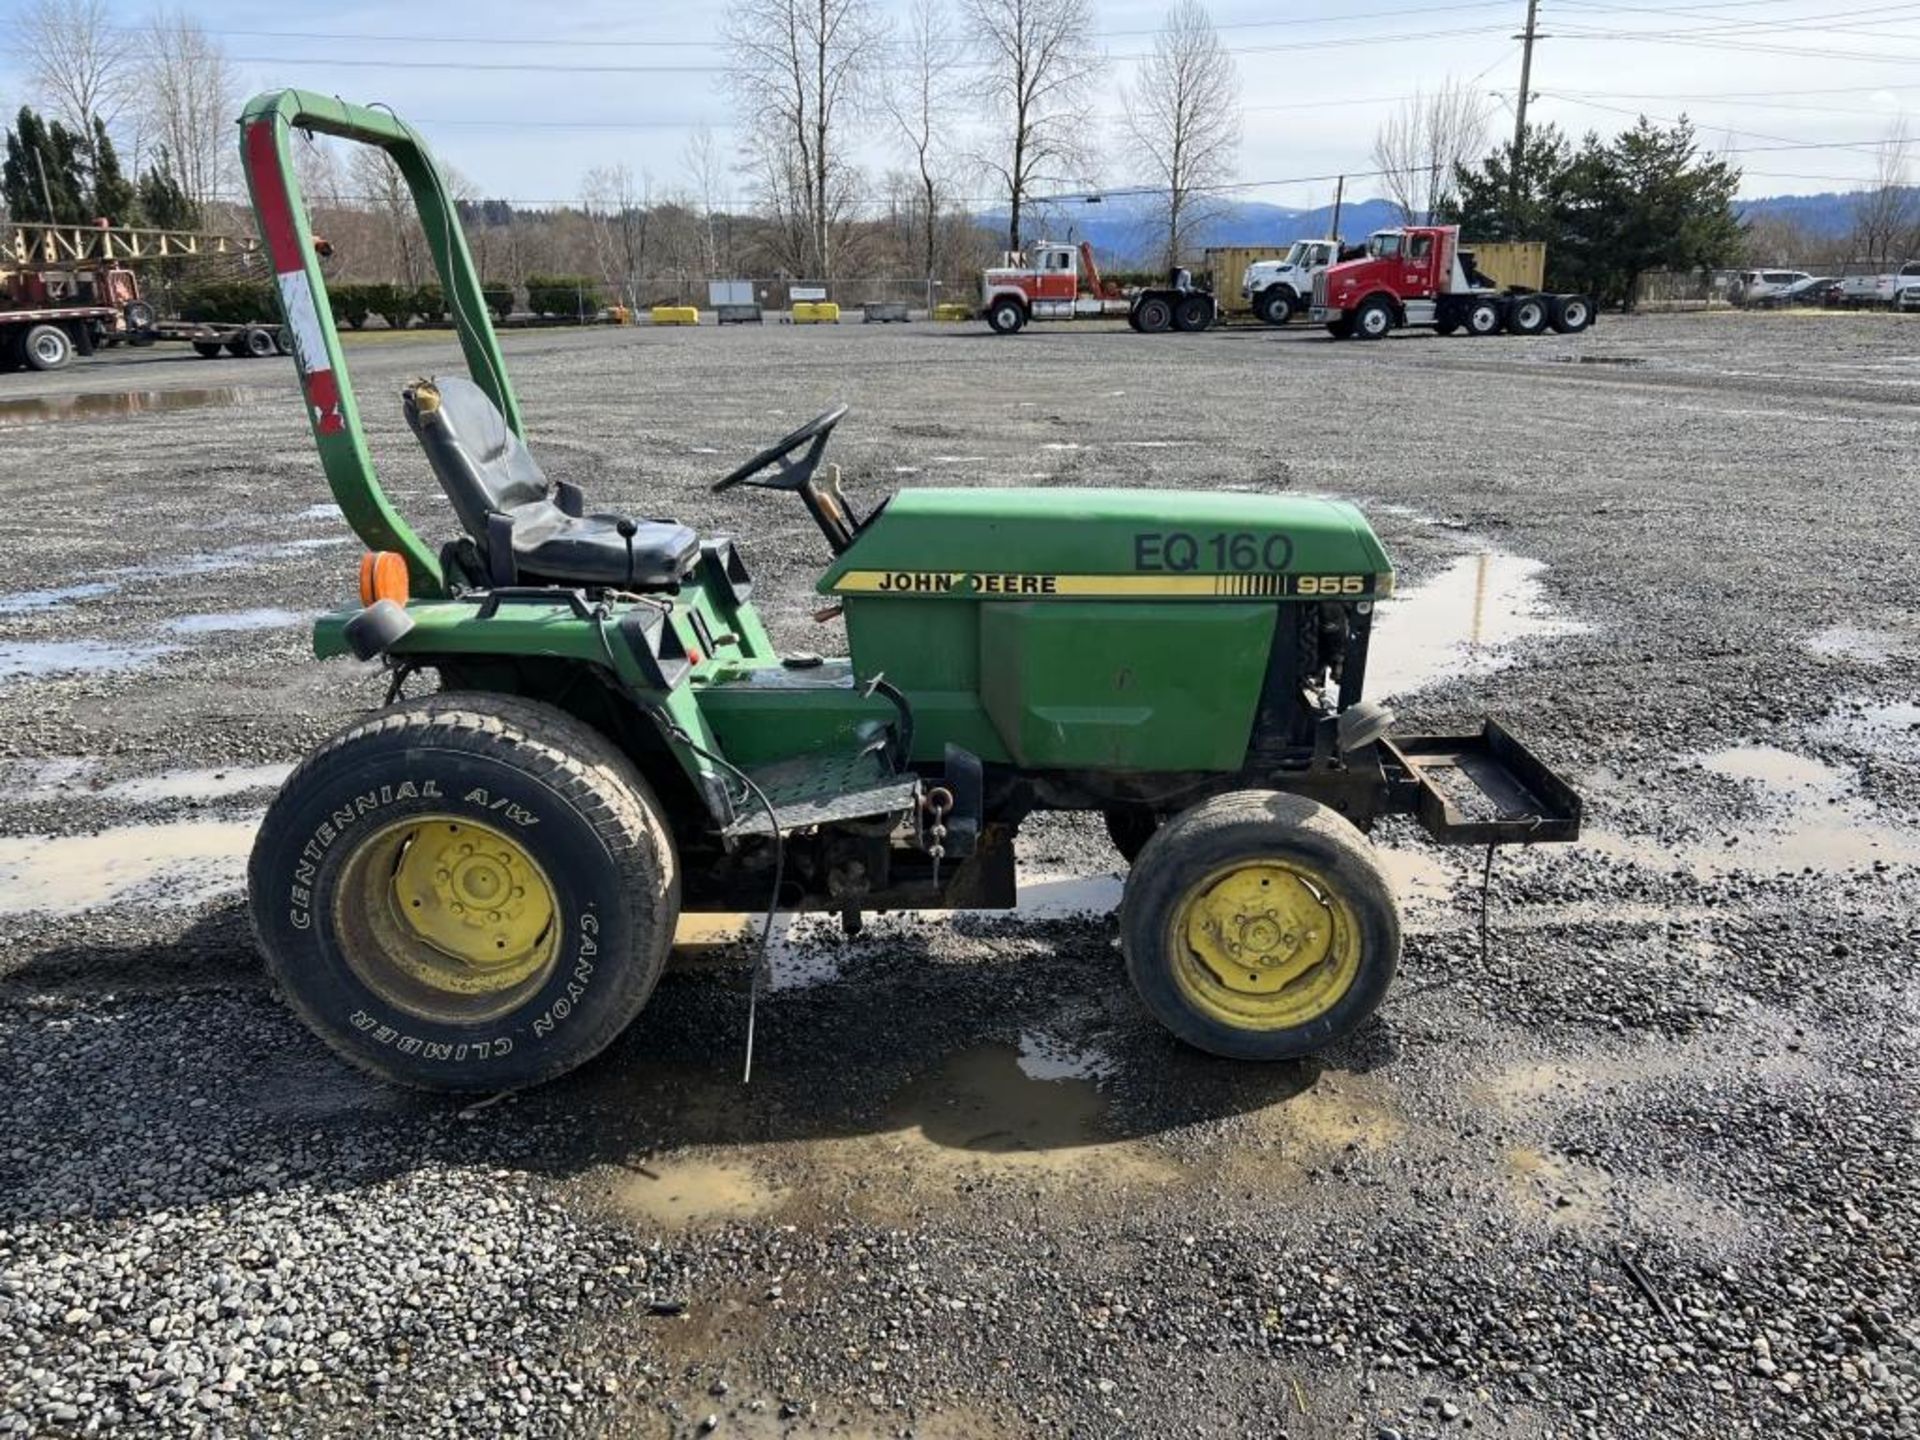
(1526, 37)
(1339, 190)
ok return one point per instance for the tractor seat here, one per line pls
(529, 531)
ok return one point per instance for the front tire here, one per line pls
(1275, 306)
(1373, 320)
(1006, 317)
(465, 893)
(1258, 926)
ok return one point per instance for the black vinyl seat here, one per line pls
(527, 530)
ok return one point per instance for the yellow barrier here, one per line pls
(952, 310)
(815, 312)
(675, 315)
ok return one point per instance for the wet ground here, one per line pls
(1644, 1163)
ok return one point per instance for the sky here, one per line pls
(524, 99)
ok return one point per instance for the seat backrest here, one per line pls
(481, 464)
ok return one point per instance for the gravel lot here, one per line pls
(1649, 1167)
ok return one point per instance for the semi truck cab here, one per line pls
(1418, 275)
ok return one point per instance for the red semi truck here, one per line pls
(1417, 275)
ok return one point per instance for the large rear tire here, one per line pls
(1570, 314)
(1482, 318)
(465, 892)
(1193, 314)
(1528, 315)
(1257, 925)
(47, 347)
(208, 349)
(1155, 315)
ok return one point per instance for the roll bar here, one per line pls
(266, 127)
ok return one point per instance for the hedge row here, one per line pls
(242, 302)
(575, 297)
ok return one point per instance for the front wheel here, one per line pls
(1257, 925)
(465, 892)
(1006, 317)
(1373, 320)
(1274, 307)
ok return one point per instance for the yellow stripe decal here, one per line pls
(986, 585)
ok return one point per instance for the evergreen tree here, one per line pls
(1485, 203)
(112, 194)
(43, 164)
(1609, 211)
(163, 200)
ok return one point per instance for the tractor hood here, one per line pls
(1117, 544)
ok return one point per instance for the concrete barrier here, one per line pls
(815, 312)
(675, 315)
(737, 314)
(884, 312)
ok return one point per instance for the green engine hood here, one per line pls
(1117, 544)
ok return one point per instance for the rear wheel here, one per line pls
(47, 347)
(1155, 315)
(1527, 315)
(1006, 316)
(259, 342)
(1483, 318)
(467, 892)
(237, 347)
(1373, 320)
(1257, 925)
(1570, 314)
(1193, 313)
(1446, 327)
(1275, 306)
(208, 349)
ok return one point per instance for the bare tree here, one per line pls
(802, 71)
(921, 101)
(190, 97)
(704, 170)
(77, 60)
(1884, 214)
(1040, 63)
(619, 213)
(1182, 117)
(383, 190)
(1422, 143)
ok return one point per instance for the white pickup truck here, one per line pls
(1896, 290)
(1280, 289)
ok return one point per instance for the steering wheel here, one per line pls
(793, 474)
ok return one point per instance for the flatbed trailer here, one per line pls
(212, 340)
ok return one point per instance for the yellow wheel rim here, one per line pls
(448, 918)
(1264, 944)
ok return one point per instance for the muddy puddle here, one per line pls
(199, 784)
(24, 602)
(20, 411)
(683, 1192)
(1810, 819)
(184, 863)
(1889, 729)
(230, 621)
(50, 659)
(1463, 621)
(1856, 643)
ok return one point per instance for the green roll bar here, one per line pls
(266, 138)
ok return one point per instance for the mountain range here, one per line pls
(1122, 227)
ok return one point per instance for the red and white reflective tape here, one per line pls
(305, 336)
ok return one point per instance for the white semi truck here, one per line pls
(1280, 289)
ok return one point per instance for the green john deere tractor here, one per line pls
(476, 890)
